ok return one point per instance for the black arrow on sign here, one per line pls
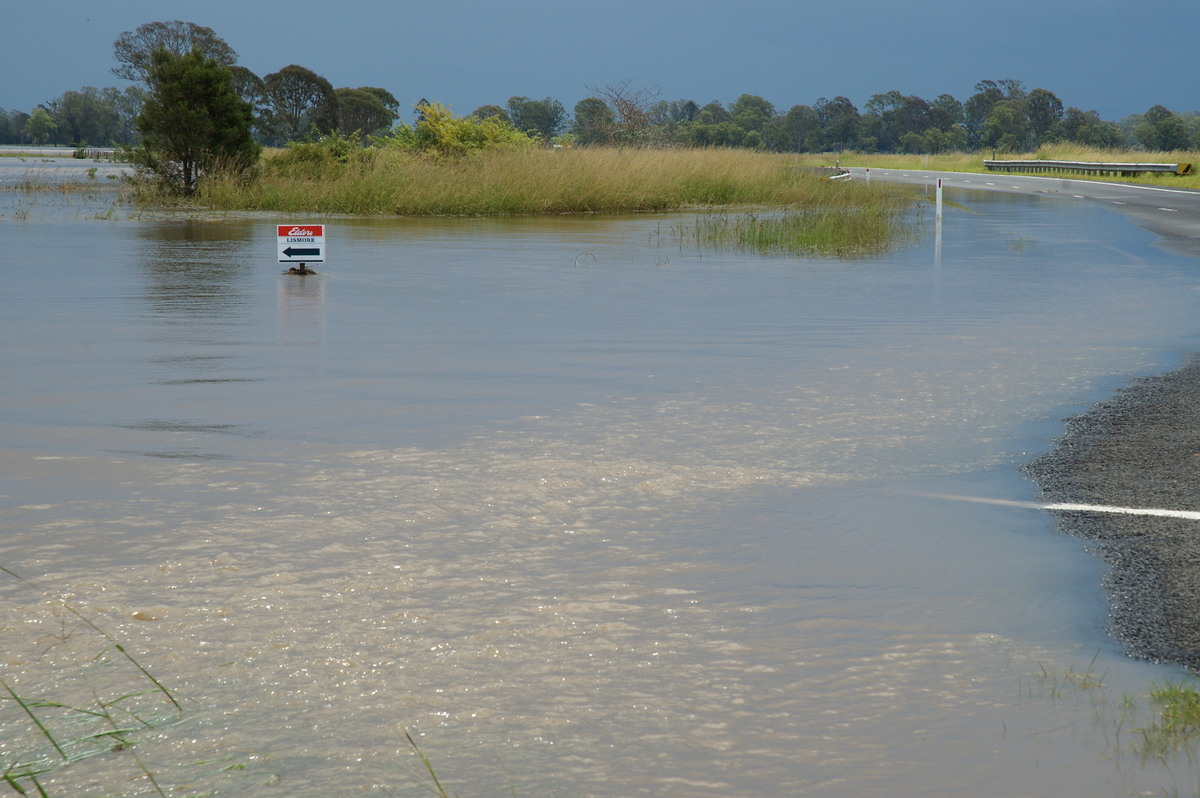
(291, 253)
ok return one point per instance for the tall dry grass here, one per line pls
(973, 162)
(386, 181)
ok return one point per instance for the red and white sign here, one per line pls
(301, 243)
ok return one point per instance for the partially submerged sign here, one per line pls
(301, 243)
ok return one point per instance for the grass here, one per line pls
(823, 231)
(384, 181)
(1163, 724)
(1177, 723)
(765, 204)
(973, 162)
(436, 785)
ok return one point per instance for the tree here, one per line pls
(385, 97)
(977, 107)
(841, 121)
(717, 134)
(630, 109)
(1044, 110)
(19, 119)
(419, 109)
(492, 112)
(802, 127)
(84, 117)
(542, 118)
(893, 116)
(751, 112)
(595, 122)
(1162, 130)
(1086, 127)
(1006, 126)
(134, 50)
(126, 105)
(664, 113)
(362, 111)
(40, 126)
(713, 113)
(299, 101)
(193, 123)
(949, 106)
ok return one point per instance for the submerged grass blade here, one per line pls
(36, 720)
(437, 788)
(94, 627)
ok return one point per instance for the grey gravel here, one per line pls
(1141, 448)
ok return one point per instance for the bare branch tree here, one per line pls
(630, 106)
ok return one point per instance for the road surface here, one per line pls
(1171, 213)
(1141, 448)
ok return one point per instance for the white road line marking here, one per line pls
(1190, 515)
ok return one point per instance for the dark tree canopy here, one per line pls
(87, 116)
(362, 111)
(492, 112)
(133, 49)
(193, 123)
(542, 118)
(385, 97)
(595, 123)
(1161, 129)
(295, 103)
(300, 101)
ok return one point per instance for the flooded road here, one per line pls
(582, 511)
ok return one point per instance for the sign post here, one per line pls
(301, 243)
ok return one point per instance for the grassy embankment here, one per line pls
(973, 162)
(752, 200)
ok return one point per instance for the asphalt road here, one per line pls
(1141, 448)
(1173, 214)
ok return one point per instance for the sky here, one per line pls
(1111, 56)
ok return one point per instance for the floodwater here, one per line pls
(581, 510)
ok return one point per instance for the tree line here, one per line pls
(296, 104)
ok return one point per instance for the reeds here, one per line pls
(386, 181)
(1162, 725)
(842, 231)
(1177, 725)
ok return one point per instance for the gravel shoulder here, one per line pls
(1141, 448)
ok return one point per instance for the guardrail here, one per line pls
(1088, 167)
(95, 153)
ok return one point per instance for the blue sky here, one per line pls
(1112, 56)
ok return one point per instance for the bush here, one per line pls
(439, 132)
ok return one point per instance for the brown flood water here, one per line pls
(582, 511)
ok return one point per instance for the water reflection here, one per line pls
(300, 304)
(198, 294)
(195, 271)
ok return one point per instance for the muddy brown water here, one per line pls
(584, 511)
